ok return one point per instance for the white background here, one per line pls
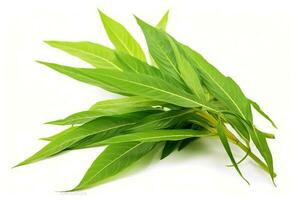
(256, 42)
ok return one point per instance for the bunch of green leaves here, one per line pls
(174, 99)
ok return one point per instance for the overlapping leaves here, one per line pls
(178, 98)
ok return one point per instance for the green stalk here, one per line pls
(233, 139)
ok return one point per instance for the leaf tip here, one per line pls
(40, 62)
(167, 13)
(103, 16)
(56, 122)
(44, 139)
(48, 64)
(100, 11)
(20, 164)
(52, 43)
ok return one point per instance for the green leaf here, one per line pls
(162, 120)
(259, 139)
(223, 138)
(125, 104)
(64, 132)
(113, 160)
(80, 77)
(239, 126)
(80, 117)
(141, 67)
(187, 72)
(149, 122)
(107, 127)
(170, 146)
(110, 108)
(94, 54)
(222, 87)
(258, 109)
(160, 49)
(121, 38)
(162, 24)
(261, 144)
(158, 135)
(142, 85)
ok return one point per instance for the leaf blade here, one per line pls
(121, 38)
(262, 145)
(162, 24)
(108, 127)
(186, 70)
(143, 85)
(159, 48)
(112, 160)
(110, 108)
(258, 109)
(94, 54)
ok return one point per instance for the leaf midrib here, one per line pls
(122, 43)
(164, 91)
(140, 138)
(172, 64)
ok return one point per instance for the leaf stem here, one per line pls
(251, 155)
(233, 139)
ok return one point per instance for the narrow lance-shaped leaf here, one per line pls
(95, 54)
(158, 135)
(80, 117)
(113, 160)
(107, 127)
(121, 38)
(160, 49)
(261, 143)
(141, 67)
(110, 108)
(80, 77)
(186, 70)
(162, 24)
(64, 132)
(223, 138)
(91, 140)
(258, 109)
(135, 84)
